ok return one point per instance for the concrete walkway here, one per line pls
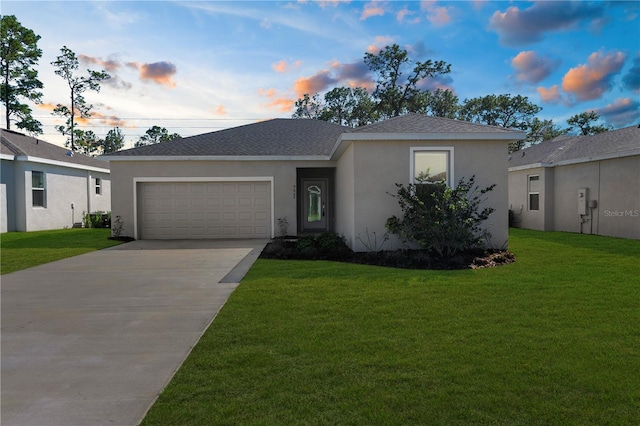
(95, 338)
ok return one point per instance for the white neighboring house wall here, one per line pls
(69, 192)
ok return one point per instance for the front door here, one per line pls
(315, 208)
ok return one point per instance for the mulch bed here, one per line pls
(409, 259)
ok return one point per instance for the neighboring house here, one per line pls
(43, 186)
(242, 182)
(587, 184)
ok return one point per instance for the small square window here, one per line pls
(430, 165)
(98, 186)
(37, 189)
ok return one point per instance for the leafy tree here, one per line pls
(156, 134)
(397, 90)
(514, 112)
(441, 103)
(308, 107)
(338, 104)
(67, 66)
(20, 54)
(364, 108)
(543, 130)
(86, 142)
(342, 105)
(583, 123)
(442, 219)
(114, 141)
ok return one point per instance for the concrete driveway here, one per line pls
(95, 338)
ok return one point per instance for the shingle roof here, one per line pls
(17, 144)
(420, 123)
(277, 137)
(567, 148)
(286, 137)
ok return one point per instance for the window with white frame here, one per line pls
(533, 190)
(432, 164)
(38, 198)
(98, 186)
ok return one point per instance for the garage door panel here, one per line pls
(205, 210)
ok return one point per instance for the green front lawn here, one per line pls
(551, 339)
(21, 250)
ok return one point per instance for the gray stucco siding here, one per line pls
(379, 165)
(613, 184)
(283, 174)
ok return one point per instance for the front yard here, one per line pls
(551, 339)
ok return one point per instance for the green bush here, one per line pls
(442, 219)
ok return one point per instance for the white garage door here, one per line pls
(188, 210)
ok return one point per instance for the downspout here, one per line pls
(88, 192)
(599, 186)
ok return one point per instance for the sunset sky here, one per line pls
(200, 66)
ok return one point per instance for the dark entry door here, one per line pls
(315, 207)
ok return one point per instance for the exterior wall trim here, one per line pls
(137, 180)
(218, 158)
(60, 163)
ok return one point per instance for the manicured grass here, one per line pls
(551, 339)
(21, 250)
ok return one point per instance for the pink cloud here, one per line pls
(590, 81)
(109, 65)
(283, 66)
(622, 112)
(159, 72)
(279, 103)
(516, 27)
(220, 110)
(372, 9)
(280, 66)
(316, 83)
(531, 67)
(437, 15)
(379, 43)
(551, 95)
(403, 13)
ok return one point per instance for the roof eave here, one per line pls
(345, 139)
(610, 156)
(60, 163)
(217, 158)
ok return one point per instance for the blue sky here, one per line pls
(200, 66)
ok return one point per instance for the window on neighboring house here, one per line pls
(37, 189)
(429, 165)
(98, 186)
(534, 192)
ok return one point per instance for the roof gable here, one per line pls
(19, 145)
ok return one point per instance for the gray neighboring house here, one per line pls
(43, 187)
(587, 184)
(318, 176)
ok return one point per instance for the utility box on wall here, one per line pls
(583, 200)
